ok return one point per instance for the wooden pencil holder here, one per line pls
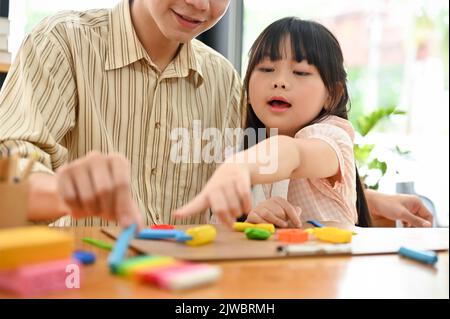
(13, 204)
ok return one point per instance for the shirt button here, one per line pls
(158, 125)
(153, 171)
(157, 217)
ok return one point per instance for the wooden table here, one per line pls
(378, 276)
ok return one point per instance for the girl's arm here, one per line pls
(282, 157)
(227, 193)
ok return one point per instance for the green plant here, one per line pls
(363, 152)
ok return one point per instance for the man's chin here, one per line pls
(181, 37)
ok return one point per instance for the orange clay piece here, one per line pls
(292, 235)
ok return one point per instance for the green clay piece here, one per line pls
(257, 233)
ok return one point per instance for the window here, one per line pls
(26, 14)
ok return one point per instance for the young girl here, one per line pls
(295, 83)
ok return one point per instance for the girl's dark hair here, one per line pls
(312, 42)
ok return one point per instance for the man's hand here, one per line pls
(407, 208)
(44, 201)
(99, 185)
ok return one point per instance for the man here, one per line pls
(86, 87)
(96, 96)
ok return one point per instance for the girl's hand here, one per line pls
(227, 193)
(277, 211)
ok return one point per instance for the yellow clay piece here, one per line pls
(243, 226)
(201, 235)
(333, 235)
(33, 244)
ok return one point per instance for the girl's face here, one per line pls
(286, 94)
(183, 20)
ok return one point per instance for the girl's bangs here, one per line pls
(271, 43)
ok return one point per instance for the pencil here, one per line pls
(98, 243)
(315, 223)
(12, 168)
(26, 172)
(120, 248)
(4, 165)
(3, 168)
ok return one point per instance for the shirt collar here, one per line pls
(124, 47)
(185, 62)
